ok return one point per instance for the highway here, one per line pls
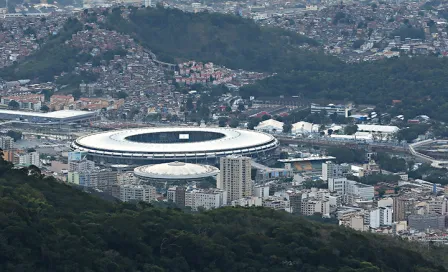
(434, 163)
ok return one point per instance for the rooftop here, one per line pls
(231, 139)
(176, 170)
(54, 114)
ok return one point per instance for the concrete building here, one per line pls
(351, 190)
(265, 173)
(276, 203)
(179, 197)
(81, 166)
(131, 192)
(6, 143)
(331, 109)
(427, 221)
(235, 177)
(197, 198)
(380, 217)
(248, 201)
(360, 191)
(106, 180)
(295, 203)
(261, 191)
(402, 208)
(437, 205)
(31, 158)
(86, 179)
(207, 199)
(355, 222)
(312, 206)
(337, 185)
(331, 170)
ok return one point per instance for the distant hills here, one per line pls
(227, 40)
(238, 43)
(48, 226)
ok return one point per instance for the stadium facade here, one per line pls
(168, 144)
(164, 175)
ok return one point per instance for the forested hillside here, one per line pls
(420, 82)
(48, 226)
(224, 39)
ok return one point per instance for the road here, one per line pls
(434, 163)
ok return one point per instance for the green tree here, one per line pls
(265, 117)
(253, 122)
(45, 108)
(287, 127)
(234, 123)
(77, 94)
(16, 135)
(122, 95)
(14, 105)
(284, 155)
(189, 104)
(350, 129)
(222, 121)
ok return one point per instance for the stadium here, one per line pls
(166, 144)
(164, 175)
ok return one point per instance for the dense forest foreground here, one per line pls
(49, 226)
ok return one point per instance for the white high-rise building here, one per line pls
(81, 166)
(32, 158)
(359, 190)
(350, 189)
(381, 217)
(207, 199)
(148, 3)
(261, 191)
(337, 185)
(332, 170)
(6, 143)
(129, 192)
(195, 198)
(235, 177)
(312, 206)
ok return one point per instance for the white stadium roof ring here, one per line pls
(174, 143)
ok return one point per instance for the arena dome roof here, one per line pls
(176, 170)
(165, 144)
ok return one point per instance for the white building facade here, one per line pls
(235, 177)
(131, 192)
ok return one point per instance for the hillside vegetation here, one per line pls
(48, 226)
(419, 82)
(224, 39)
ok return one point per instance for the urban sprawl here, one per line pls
(337, 161)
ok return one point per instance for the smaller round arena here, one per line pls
(169, 174)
